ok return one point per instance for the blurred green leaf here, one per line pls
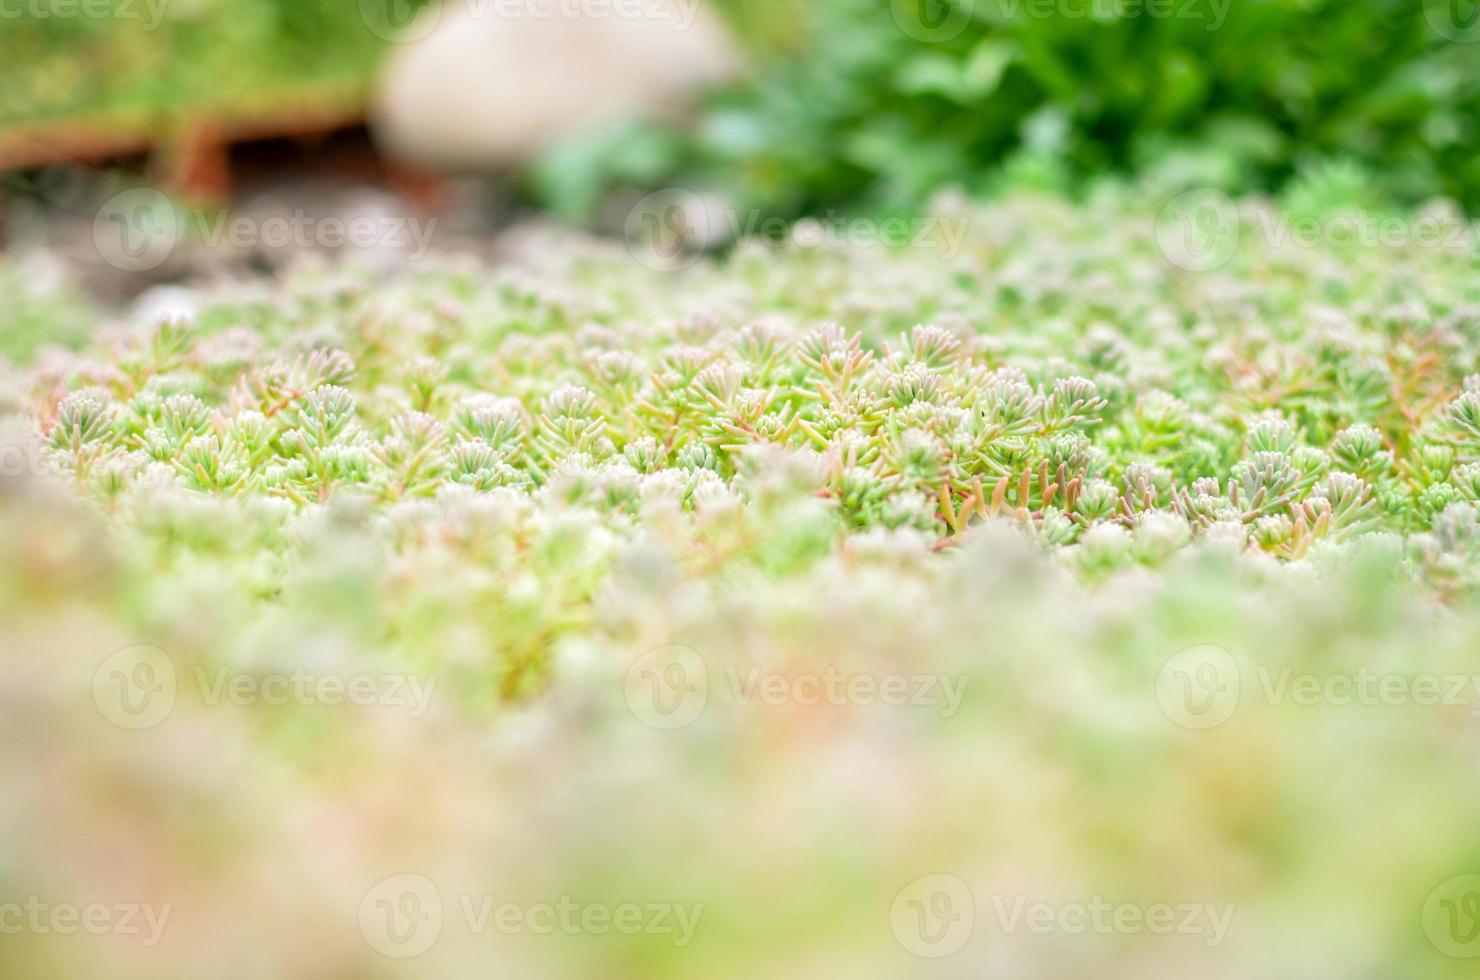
(1245, 96)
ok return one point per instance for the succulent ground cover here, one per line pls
(1051, 371)
(768, 589)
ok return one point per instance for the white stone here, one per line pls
(483, 84)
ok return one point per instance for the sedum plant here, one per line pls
(1053, 374)
(1052, 484)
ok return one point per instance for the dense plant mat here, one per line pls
(828, 598)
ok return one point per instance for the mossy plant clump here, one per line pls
(801, 585)
(1054, 369)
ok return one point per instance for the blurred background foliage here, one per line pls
(852, 107)
(163, 57)
(39, 311)
(874, 104)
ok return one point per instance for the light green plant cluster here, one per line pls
(1169, 573)
(1054, 369)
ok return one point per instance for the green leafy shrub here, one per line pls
(887, 102)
